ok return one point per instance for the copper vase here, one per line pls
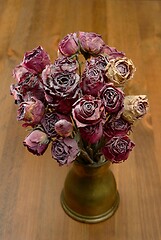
(90, 193)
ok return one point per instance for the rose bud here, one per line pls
(92, 80)
(36, 142)
(117, 149)
(31, 112)
(135, 107)
(90, 42)
(91, 133)
(36, 60)
(63, 128)
(119, 71)
(69, 45)
(64, 150)
(112, 98)
(87, 110)
(119, 127)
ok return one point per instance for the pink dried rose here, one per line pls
(61, 88)
(87, 111)
(49, 120)
(90, 42)
(16, 93)
(135, 107)
(63, 128)
(99, 61)
(31, 112)
(112, 98)
(36, 60)
(119, 71)
(92, 80)
(64, 150)
(69, 45)
(20, 73)
(36, 142)
(117, 149)
(112, 52)
(91, 133)
(69, 64)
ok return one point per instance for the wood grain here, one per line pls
(30, 186)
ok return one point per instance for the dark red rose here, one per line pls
(31, 112)
(64, 150)
(87, 111)
(118, 127)
(92, 80)
(36, 142)
(117, 149)
(112, 98)
(36, 60)
(69, 45)
(91, 133)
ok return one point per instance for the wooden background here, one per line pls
(30, 186)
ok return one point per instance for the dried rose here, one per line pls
(112, 52)
(36, 142)
(60, 84)
(69, 45)
(49, 120)
(15, 92)
(118, 127)
(31, 112)
(64, 150)
(64, 128)
(117, 149)
(61, 88)
(90, 42)
(112, 98)
(99, 61)
(87, 110)
(91, 133)
(69, 64)
(21, 74)
(135, 107)
(120, 70)
(36, 60)
(92, 80)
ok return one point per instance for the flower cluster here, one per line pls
(78, 106)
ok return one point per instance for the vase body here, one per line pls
(90, 193)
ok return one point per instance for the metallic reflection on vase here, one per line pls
(90, 193)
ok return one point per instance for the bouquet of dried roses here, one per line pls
(77, 104)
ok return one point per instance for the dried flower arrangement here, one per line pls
(78, 107)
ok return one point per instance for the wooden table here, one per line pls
(30, 186)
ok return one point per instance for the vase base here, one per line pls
(90, 219)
